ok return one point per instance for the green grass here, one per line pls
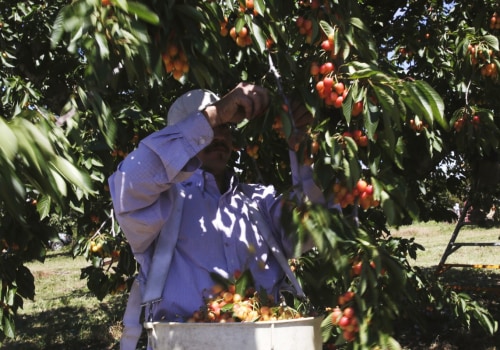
(435, 237)
(65, 315)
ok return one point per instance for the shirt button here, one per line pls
(201, 141)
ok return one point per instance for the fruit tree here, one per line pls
(405, 99)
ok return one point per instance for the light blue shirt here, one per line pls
(215, 233)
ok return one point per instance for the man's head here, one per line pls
(216, 155)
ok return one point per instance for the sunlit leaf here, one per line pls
(72, 174)
(103, 45)
(143, 12)
(8, 143)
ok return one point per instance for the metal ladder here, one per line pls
(453, 246)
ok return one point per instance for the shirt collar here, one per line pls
(203, 180)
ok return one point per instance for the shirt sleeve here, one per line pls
(273, 206)
(309, 186)
(140, 186)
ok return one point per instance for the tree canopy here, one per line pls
(405, 99)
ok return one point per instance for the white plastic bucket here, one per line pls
(294, 334)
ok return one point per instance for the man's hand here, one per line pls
(245, 101)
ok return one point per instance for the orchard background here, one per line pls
(405, 99)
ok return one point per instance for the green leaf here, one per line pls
(59, 182)
(259, 37)
(25, 282)
(372, 120)
(244, 282)
(103, 44)
(8, 142)
(72, 174)
(424, 101)
(190, 12)
(43, 206)
(358, 23)
(9, 328)
(326, 328)
(58, 28)
(347, 104)
(37, 136)
(260, 6)
(27, 149)
(390, 343)
(326, 27)
(143, 12)
(12, 192)
(492, 41)
(359, 70)
(240, 23)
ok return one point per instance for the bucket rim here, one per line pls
(234, 324)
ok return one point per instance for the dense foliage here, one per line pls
(404, 95)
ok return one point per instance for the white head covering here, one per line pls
(191, 101)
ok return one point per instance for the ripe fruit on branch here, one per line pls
(363, 141)
(253, 151)
(314, 147)
(494, 21)
(248, 7)
(278, 127)
(336, 315)
(314, 70)
(417, 125)
(346, 319)
(326, 68)
(346, 297)
(96, 247)
(327, 45)
(333, 93)
(459, 124)
(338, 102)
(175, 61)
(242, 38)
(357, 108)
(269, 43)
(223, 27)
(305, 28)
(339, 87)
(356, 268)
(363, 192)
(361, 185)
(359, 137)
(489, 70)
(369, 189)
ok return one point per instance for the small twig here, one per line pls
(467, 93)
(294, 162)
(277, 76)
(111, 215)
(98, 232)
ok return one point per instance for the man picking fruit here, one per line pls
(177, 183)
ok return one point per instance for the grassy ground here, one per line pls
(64, 315)
(435, 237)
(482, 284)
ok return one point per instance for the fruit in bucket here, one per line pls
(238, 301)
